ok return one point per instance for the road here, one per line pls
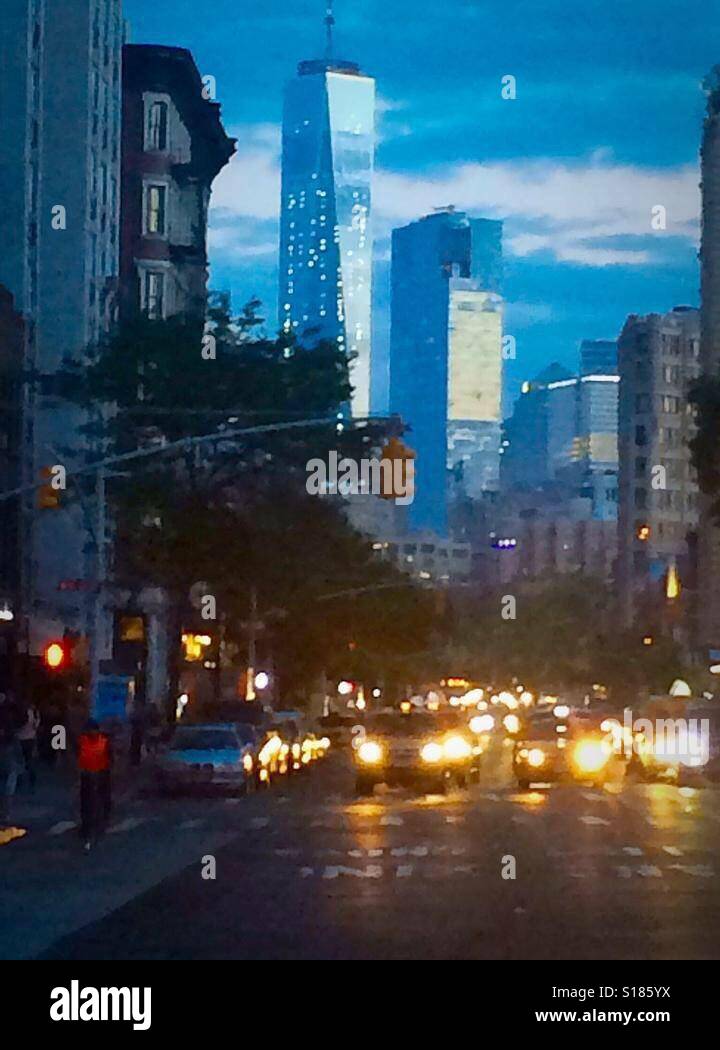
(307, 871)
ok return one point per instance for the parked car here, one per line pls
(220, 756)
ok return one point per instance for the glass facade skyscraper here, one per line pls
(328, 151)
(446, 363)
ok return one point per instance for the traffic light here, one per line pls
(55, 656)
(400, 457)
(48, 496)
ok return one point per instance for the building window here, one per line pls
(640, 466)
(154, 295)
(155, 210)
(157, 137)
(640, 435)
(640, 498)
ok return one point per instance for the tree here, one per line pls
(237, 513)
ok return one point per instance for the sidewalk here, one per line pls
(56, 796)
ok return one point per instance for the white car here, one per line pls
(218, 756)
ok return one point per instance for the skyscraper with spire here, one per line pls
(328, 152)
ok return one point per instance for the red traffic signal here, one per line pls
(54, 656)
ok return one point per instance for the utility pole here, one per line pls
(253, 627)
(99, 591)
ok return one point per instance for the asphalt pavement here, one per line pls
(308, 871)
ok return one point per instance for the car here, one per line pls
(220, 756)
(549, 751)
(415, 749)
(681, 746)
(337, 728)
(539, 753)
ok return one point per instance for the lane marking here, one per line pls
(673, 851)
(371, 871)
(394, 821)
(129, 824)
(62, 826)
(633, 851)
(259, 822)
(403, 871)
(8, 835)
(595, 821)
(703, 871)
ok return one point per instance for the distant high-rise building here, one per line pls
(709, 534)
(59, 202)
(173, 146)
(564, 430)
(526, 434)
(598, 357)
(446, 364)
(328, 153)
(658, 497)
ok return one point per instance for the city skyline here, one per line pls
(598, 134)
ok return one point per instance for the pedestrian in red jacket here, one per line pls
(95, 765)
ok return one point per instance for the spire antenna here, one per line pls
(329, 25)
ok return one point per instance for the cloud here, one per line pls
(580, 211)
(250, 184)
(600, 198)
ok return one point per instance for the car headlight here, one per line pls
(591, 755)
(431, 752)
(561, 710)
(369, 752)
(457, 748)
(248, 763)
(511, 723)
(536, 757)
(482, 724)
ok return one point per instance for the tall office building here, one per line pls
(658, 505)
(446, 364)
(328, 153)
(12, 340)
(59, 201)
(709, 535)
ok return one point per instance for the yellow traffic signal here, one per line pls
(48, 497)
(400, 482)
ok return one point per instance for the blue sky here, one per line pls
(605, 126)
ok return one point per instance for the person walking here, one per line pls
(10, 754)
(27, 736)
(95, 766)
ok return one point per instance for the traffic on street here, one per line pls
(427, 834)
